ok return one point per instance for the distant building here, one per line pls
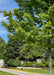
(1, 63)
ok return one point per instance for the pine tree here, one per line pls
(13, 48)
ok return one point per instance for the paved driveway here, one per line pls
(17, 72)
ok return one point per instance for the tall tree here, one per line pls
(35, 23)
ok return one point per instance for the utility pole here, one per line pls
(1, 11)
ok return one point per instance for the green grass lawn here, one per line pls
(42, 71)
(5, 73)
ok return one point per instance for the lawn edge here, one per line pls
(22, 71)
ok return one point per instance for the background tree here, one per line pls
(13, 49)
(31, 52)
(2, 48)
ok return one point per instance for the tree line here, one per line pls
(19, 49)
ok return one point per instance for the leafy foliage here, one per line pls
(35, 23)
(2, 48)
(31, 52)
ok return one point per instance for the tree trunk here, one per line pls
(50, 56)
(50, 62)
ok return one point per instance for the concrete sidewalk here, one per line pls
(29, 68)
(18, 72)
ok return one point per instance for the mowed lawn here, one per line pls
(41, 71)
(5, 73)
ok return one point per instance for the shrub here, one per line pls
(38, 64)
(34, 64)
(44, 64)
(52, 62)
(27, 64)
(13, 63)
(24, 64)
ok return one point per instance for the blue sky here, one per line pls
(5, 5)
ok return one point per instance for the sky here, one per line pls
(5, 5)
